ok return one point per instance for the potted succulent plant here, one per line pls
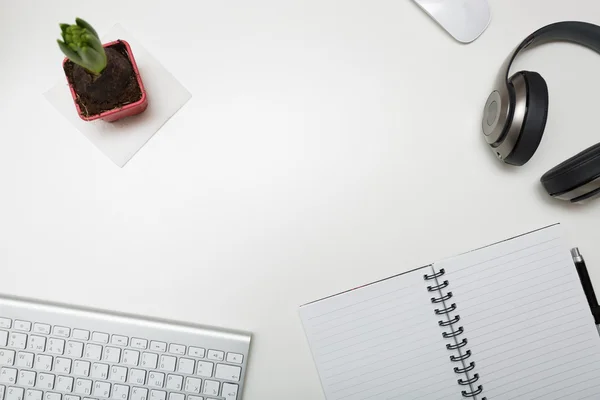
(104, 79)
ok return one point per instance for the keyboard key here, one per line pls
(100, 371)
(52, 396)
(186, 366)
(3, 338)
(120, 392)
(196, 352)
(192, 385)
(158, 346)
(83, 386)
(14, 393)
(94, 352)
(158, 395)
(74, 349)
(43, 329)
(8, 375)
(31, 394)
(228, 372)
(211, 387)
(235, 358)
(177, 349)
(37, 343)
(102, 389)
(2, 389)
(22, 326)
(25, 360)
(45, 381)
(131, 357)
(112, 354)
(81, 368)
(118, 374)
(167, 363)
(5, 323)
(156, 379)
(17, 340)
(100, 337)
(61, 331)
(71, 397)
(119, 340)
(81, 334)
(174, 382)
(43, 362)
(229, 391)
(56, 346)
(7, 357)
(27, 378)
(62, 365)
(139, 343)
(64, 384)
(176, 396)
(216, 355)
(205, 369)
(149, 360)
(137, 376)
(138, 393)
(190, 397)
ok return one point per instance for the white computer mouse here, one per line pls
(465, 20)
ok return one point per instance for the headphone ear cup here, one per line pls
(574, 172)
(534, 121)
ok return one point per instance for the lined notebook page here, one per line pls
(380, 342)
(526, 319)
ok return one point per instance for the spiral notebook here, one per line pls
(508, 321)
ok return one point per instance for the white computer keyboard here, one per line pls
(57, 352)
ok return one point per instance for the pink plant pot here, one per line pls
(117, 113)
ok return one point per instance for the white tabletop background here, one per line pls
(327, 144)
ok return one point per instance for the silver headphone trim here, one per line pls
(580, 191)
(506, 144)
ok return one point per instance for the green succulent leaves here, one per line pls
(82, 45)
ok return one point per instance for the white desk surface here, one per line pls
(328, 144)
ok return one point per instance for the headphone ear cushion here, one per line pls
(534, 121)
(576, 171)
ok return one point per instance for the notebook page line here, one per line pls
(539, 286)
(511, 374)
(360, 356)
(497, 318)
(384, 312)
(419, 355)
(553, 316)
(360, 379)
(554, 382)
(364, 340)
(572, 393)
(528, 344)
(484, 283)
(495, 337)
(360, 323)
(370, 311)
(585, 377)
(500, 268)
(353, 304)
(397, 352)
(497, 256)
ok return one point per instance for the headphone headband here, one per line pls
(516, 111)
(502, 122)
(582, 33)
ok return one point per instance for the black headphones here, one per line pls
(515, 115)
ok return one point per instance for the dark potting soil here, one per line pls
(115, 87)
